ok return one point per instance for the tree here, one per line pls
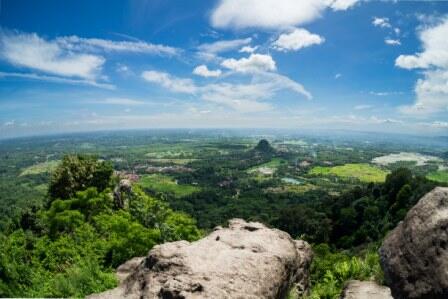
(77, 173)
(395, 181)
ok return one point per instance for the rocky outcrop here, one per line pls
(414, 256)
(246, 260)
(356, 289)
(124, 187)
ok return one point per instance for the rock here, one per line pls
(246, 260)
(123, 187)
(414, 256)
(356, 289)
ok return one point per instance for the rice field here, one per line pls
(166, 184)
(440, 176)
(44, 167)
(361, 171)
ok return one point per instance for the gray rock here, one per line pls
(245, 260)
(124, 187)
(414, 256)
(356, 289)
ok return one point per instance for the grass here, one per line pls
(44, 167)
(440, 176)
(361, 171)
(166, 184)
(331, 270)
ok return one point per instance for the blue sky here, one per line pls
(316, 64)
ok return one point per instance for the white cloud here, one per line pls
(435, 45)
(202, 70)
(431, 90)
(239, 97)
(34, 52)
(337, 76)
(254, 63)
(170, 82)
(362, 107)
(439, 124)
(272, 14)
(9, 123)
(91, 44)
(381, 22)
(55, 79)
(392, 42)
(297, 39)
(248, 49)
(385, 93)
(342, 4)
(120, 102)
(224, 45)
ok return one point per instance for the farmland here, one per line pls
(362, 172)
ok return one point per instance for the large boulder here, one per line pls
(245, 260)
(414, 256)
(356, 289)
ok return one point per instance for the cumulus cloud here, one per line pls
(297, 39)
(392, 42)
(435, 53)
(342, 4)
(381, 22)
(31, 51)
(253, 63)
(170, 82)
(272, 14)
(431, 90)
(203, 71)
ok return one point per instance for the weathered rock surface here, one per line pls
(245, 260)
(414, 256)
(356, 289)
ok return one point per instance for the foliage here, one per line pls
(331, 270)
(71, 248)
(79, 172)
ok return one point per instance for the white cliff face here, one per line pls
(245, 260)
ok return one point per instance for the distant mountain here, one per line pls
(263, 146)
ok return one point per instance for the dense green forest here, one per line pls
(66, 223)
(70, 247)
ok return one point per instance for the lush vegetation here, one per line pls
(62, 233)
(330, 270)
(71, 248)
(438, 176)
